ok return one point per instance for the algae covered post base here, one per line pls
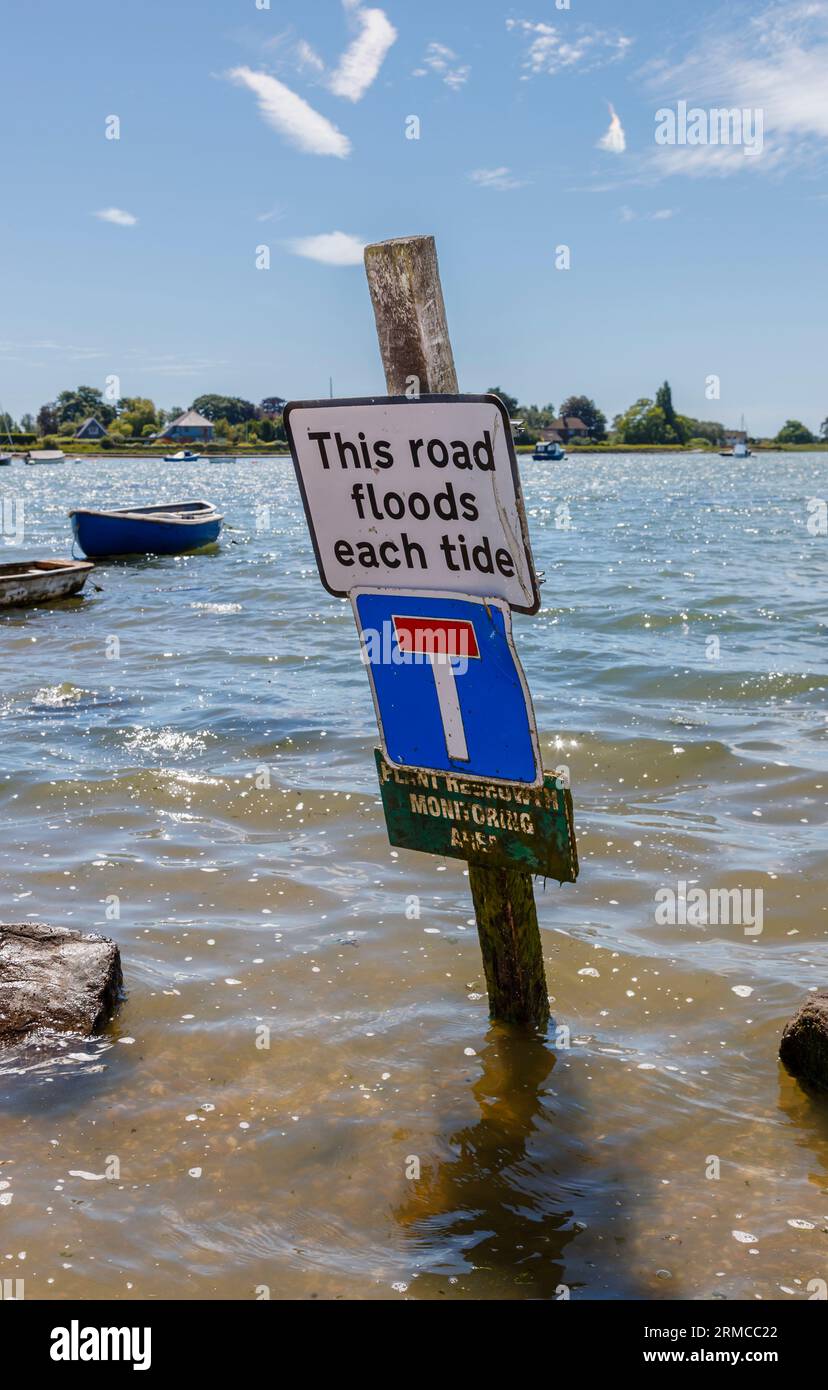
(507, 924)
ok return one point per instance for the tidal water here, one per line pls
(187, 767)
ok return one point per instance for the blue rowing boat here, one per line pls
(173, 528)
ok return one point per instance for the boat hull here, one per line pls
(42, 581)
(105, 535)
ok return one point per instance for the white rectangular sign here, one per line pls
(414, 494)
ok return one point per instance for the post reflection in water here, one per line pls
(497, 1203)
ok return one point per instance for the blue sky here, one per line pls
(243, 126)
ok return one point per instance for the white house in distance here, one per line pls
(91, 429)
(188, 426)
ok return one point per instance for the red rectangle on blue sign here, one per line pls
(435, 636)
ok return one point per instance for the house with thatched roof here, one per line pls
(189, 426)
(91, 429)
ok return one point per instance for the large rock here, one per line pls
(804, 1045)
(52, 978)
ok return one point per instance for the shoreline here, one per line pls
(714, 451)
(522, 450)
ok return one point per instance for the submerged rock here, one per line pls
(53, 978)
(804, 1045)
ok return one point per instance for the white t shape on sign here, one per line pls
(441, 641)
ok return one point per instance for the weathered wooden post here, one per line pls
(404, 280)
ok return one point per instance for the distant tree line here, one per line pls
(647, 421)
(138, 417)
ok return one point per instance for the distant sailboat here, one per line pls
(740, 449)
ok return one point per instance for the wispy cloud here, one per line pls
(501, 179)
(117, 217)
(660, 215)
(71, 351)
(776, 64)
(359, 65)
(445, 64)
(291, 115)
(331, 248)
(614, 140)
(713, 161)
(307, 57)
(170, 364)
(552, 50)
(180, 366)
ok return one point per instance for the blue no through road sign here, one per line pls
(449, 690)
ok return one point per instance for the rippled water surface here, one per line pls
(295, 1041)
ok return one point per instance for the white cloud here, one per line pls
(117, 216)
(360, 63)
(445, 64)
(291, 115)
(615, 141)
(551, 50)
(776, 64)
(501, 179)
(331, 248)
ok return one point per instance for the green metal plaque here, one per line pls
(497, 825)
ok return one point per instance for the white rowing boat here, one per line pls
(41, 581)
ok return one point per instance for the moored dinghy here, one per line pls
(45, 456)
(41, 581)
(171, 528)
